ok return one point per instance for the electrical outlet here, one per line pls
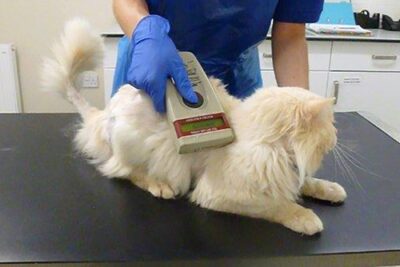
(89, 79)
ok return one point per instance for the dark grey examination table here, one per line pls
(55, 208)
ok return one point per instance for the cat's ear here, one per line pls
(318, 108)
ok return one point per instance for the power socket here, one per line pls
(89, 79)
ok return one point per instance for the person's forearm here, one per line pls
(290, 55)
(128, 13)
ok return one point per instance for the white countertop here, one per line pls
(377, 36)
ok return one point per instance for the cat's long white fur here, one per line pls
(281, 137)
(80, 49)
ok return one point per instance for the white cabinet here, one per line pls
(318, 81)
(109, 64)
(377, 93)
(365, 77)
(111, 48)
(319, 61)
(268, 78)
(319, 55)
(108, 83)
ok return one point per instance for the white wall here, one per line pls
(33, 25)
(388, 7)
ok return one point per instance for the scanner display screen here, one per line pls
(200, 125)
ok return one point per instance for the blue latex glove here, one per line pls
(154, 60)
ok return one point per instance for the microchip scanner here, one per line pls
(197, 126)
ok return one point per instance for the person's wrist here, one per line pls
(139, 18)
(150, 27)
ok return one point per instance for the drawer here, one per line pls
(361, 56)
(319, 55)
(318, 81)
(111, 50)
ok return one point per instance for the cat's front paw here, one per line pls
(304, 221)
(324, 190)
(161, 190)
(335, 193)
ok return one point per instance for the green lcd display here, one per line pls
(199, 125)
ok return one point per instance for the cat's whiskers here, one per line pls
(345, 168)
(350, 149)
(351, 155)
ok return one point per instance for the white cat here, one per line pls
(282, 135)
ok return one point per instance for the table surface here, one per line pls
(55, 207)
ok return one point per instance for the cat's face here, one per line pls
(300, 119)
(314, 134)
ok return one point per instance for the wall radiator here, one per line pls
(10, 99)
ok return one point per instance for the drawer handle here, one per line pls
(265, 55)
(336, 87)
(376, 57)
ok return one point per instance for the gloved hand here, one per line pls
(154, 60)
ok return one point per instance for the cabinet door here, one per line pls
(371, 92)
(111, 51)
(268, 78)
(108, 82)
(109, 63)
(318, 81)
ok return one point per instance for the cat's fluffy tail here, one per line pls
(80, 49)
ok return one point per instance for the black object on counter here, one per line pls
(365, 21)
(56, 208)
(389, 24)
